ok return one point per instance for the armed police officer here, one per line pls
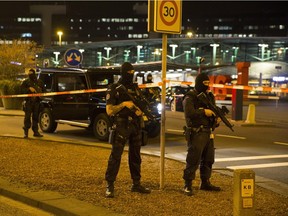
(31, 105)
(152, 94)
(127, 127)
(200, 121)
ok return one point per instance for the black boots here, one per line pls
(137, 187)
(188, 188)
(206, 185)
(25, 132)
(110, 190)
(37, 134)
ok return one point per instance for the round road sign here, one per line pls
(73, 57)
(168, 12)
(168, 16)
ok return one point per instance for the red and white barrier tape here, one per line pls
(149, 85)
(53, 93)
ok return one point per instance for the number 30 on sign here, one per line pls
(165, 16)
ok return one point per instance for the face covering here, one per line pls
(199, 85)
(33, 77)
(149, 79)
(127, 78)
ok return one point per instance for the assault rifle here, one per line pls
(141, 102)
(217, 110)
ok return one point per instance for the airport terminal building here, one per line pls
(254, 32)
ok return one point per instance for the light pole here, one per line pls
(139, 47)
(263, 46)
(174, 46)
(214, 52)
(60, 33)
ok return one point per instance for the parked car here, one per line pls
(87, 110)
(174, 97)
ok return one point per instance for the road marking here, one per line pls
(234, 137)
(172, 130)
(280, 143)
(255, 166)
(250, 158)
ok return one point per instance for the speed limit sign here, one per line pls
(165, 16)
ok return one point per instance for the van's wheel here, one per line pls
(101, 127)
(46, 121)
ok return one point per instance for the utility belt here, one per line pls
(129, 119)
(201, 128)
(125, 119)
(189, 131)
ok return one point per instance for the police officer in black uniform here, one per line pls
(152, 94)
(31, 105)
(199, 123)
(127, 126)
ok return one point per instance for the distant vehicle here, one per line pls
(174, 97)
(87, 110)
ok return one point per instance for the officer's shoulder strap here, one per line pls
(192, 93)
(113, 85)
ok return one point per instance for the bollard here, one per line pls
(251, 114)
(237, 104)
(244, 193)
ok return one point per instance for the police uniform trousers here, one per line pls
(31, 108)
(200, 151)
(126, 131)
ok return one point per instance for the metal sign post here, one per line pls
(163, 116)
(164, 16)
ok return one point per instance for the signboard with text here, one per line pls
(165, 16)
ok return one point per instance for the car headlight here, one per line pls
(159, 108)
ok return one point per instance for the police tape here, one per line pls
(240, 87)
(149, 85)
(53, 93)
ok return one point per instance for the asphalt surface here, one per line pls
(55, 203)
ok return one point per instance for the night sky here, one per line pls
(118, 8)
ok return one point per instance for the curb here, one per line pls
(52, 202)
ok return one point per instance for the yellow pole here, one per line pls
(163, 117)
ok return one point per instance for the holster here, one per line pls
(112, 135)
(24, 105)
(187, 133)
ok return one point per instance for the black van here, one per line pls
(86, 105)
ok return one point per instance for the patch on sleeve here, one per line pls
(107, 97)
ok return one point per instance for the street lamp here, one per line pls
(174, 46)
(263, 46)
(108, 52)
(139, 47)
(60, 33)
(214, 52)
